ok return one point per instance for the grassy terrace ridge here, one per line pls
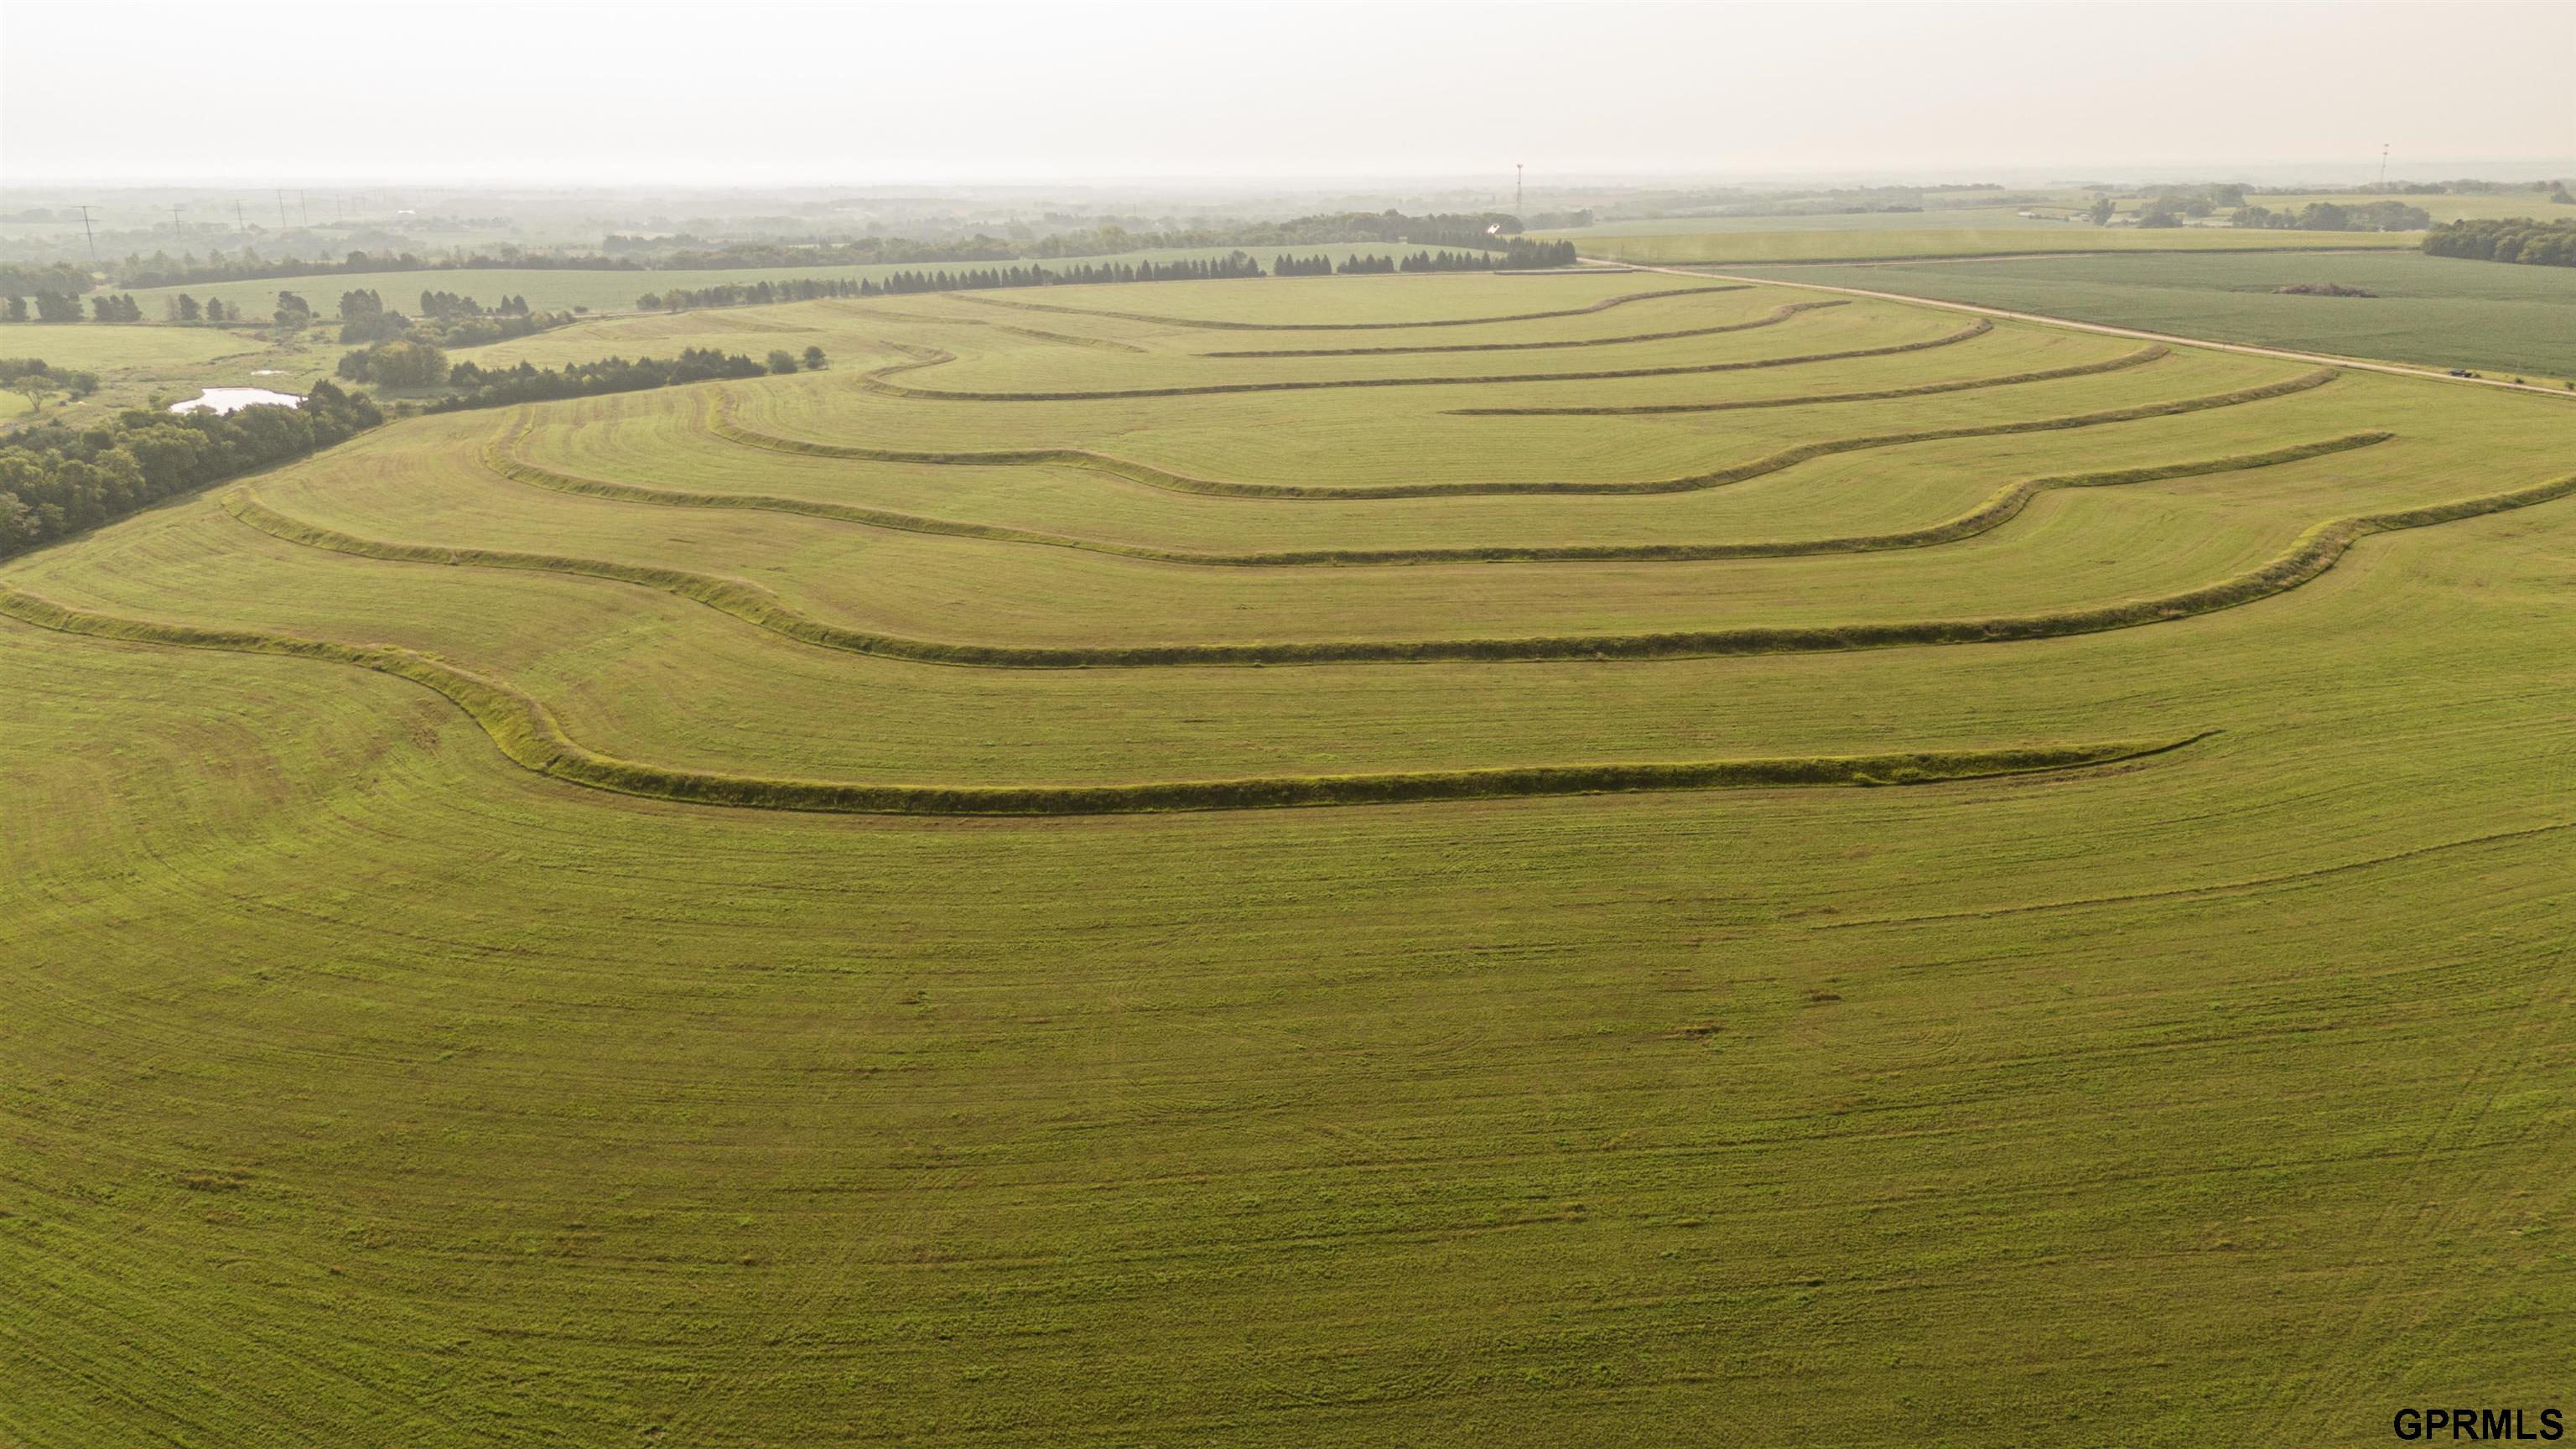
(1773, 318)
(530, 736)
(518, 937)
(2315, 551)
(721, 425)
(2150, 353)
(1213, 325)
(876, 379)
(2002, 508)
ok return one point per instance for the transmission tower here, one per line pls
(1516, 188)
(93, 236)
(2383, 166)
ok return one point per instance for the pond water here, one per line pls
(234, 399)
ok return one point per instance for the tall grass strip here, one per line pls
(2314, 552)
(876, 379)
(2138, 358)
(1773, 318)
(500, 457)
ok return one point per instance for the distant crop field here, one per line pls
(1979, 218)
(1521, 861)
(92, 347)
(2017, 237)
(2437, 311)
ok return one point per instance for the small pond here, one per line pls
(234, 399)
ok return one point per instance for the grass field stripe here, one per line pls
(529, 735)
(875, 380)
(721, 424)
(2315, 551)
(2224, 887)
(1217, 326)
(1773, 318)
(1993, 513)
(2147, 354)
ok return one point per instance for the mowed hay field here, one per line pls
(1294, 862)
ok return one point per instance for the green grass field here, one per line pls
(134, 363)
(1785, 239)
(1722, 872)
(2436, 311)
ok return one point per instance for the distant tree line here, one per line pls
(61, 277)
(750, 294)
(164, 270)
(2335, 216)
(1517, 254)
(2462, 187)
(738, 294)
(56, 481)
(620, 253)
(2519, 239)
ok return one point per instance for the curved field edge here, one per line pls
(1773, 318)
(2312, 554)
(2150, 353)
(720, 424)
(875, 379)
(528, 734)
(2006, 504)
(1208, 325)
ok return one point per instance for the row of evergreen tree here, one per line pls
(184, 308)
(750, 294)
(1517, 255)
(66, 307)
(447, 306)
(56, 481)
(480, 387)
(2517, 239)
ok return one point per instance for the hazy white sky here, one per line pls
(747, 93)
